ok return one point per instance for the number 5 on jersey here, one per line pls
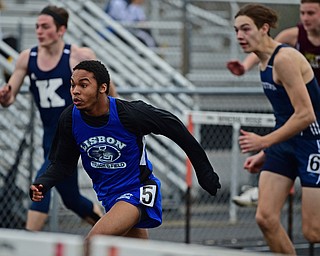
(148, 194)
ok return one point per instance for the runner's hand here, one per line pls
(209, 181)
(35, 192)
(236, 67)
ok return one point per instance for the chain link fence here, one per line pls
(207, 220)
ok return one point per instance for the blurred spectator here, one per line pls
(131, 11)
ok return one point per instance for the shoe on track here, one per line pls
(249, 197)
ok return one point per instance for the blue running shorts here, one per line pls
(296, 157)
(147, 198)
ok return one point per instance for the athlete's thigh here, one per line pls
(278, 174)
(309, 173)
(310, 205)
(273, 191)
(119, 220)
(141, 233)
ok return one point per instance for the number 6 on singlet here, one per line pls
(314, 163)
(148, 195)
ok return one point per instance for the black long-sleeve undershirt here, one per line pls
(138, 118)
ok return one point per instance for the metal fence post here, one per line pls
(54, 220)
(186, 37)
(234, 170)
(189, 185)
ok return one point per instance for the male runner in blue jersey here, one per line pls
(305, 37)
(49, 67)
(292, 149)
(109, 135)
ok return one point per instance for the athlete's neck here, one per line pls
(100, 108)
(52, 49)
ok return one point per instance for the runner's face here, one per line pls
(310, 16)
(46, 30)
(247, 33)
(84, 90)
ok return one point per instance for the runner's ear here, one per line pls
(103, 88)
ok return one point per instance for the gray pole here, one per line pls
(234, 171)
(185, 65)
